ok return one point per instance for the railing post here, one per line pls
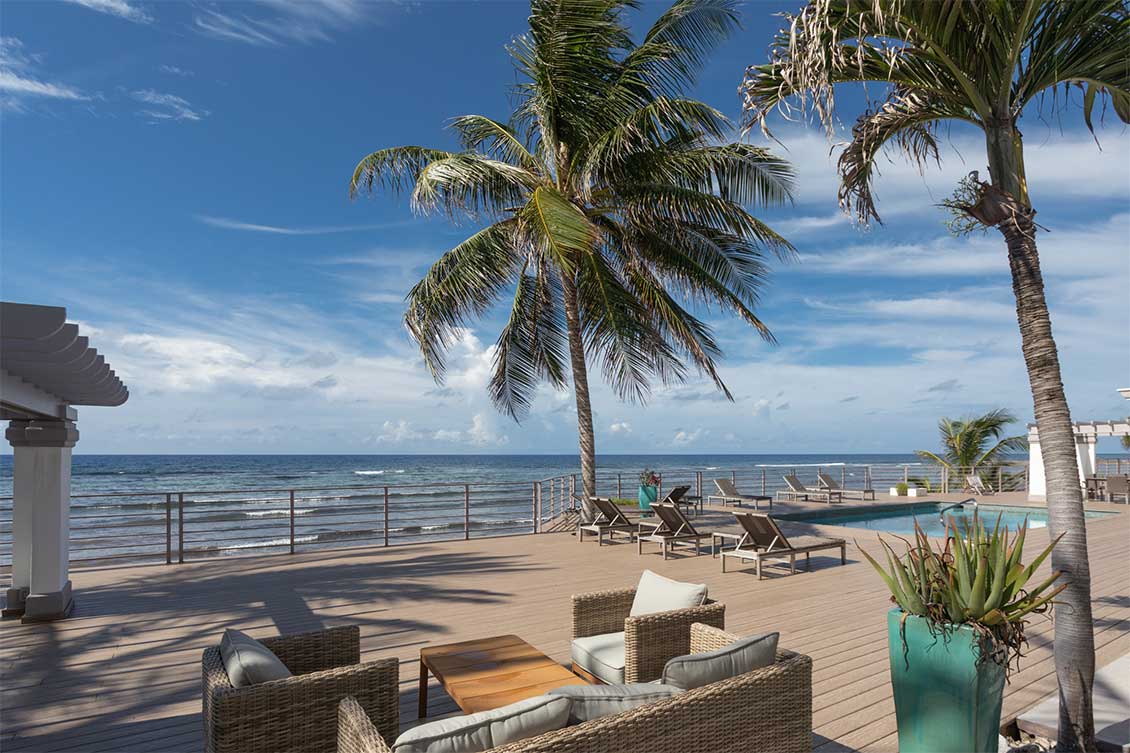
(534, 504)
(292, 521)
(945, 479)
(906, 474)
(180, 527)
(168, 529)
(466, 511)
(762, 482)
(572, 490)
(386, 516)
(619, 485)
(734, 477)
(698, 484)
(1000, 478)
(843, 476)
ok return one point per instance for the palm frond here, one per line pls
(396, 169)
(469, 183)
(495, 139)
(557, 227)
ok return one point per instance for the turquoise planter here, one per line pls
(944, 701)
(648, 495)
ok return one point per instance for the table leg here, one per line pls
(422, 711)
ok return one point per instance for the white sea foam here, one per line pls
(278, 513)
(368, 473)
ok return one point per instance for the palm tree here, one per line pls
(981, 63)
(613, 203)
(977, 442)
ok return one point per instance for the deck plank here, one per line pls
(123, 674)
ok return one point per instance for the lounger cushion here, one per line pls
(249, 662)
(487, 729)
(601, 656)
(658, 594)
(741, 656)
(595, 701)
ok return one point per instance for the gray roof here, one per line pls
(38, 346)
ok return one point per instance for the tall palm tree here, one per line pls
(977, 442)
(980, 62)
(614, 203)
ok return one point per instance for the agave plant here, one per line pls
(976, 579)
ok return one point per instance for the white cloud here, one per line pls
(270, 23)
(19, 81)
(167, 106)
(252, 227)
(483, 432)
(175, 71)
(683, 437)
(620, 427)
(398, 433)
(120, 8)
(447, 435)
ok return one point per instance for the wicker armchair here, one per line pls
(299, 713)
(650, 640)
(768, 710)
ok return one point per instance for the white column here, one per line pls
(41, 489)
(1037, 480)
(1085, 445)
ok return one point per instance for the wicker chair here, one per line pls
(650, 640)
(768, 710)
(299, 713)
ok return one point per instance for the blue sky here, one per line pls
(175, 175)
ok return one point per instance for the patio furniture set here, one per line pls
(653, 669)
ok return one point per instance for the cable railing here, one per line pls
(186, 526)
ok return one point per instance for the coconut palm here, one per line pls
(977, 442)
(613, 205)
(980, 63)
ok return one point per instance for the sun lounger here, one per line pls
(974, 484)
(797, 490)
(763, 540)
(609, 519)
(672, 528)
(829, 483)
(1118, 487)
(728, 493)
(678, 497)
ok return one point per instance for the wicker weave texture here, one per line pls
(299, 713)
(768, 710)
(650, 640)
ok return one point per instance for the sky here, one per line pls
(175, 174)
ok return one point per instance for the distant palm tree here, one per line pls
(975, 442)
(1126, 442)
(613, 201)
(980, 62)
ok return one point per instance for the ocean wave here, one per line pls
(276, 513)
(368, 473)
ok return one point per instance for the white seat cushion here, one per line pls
(741, 656)
(658, 594)
(249, 662)
(601, 656)
(487, 729)
(595, 701)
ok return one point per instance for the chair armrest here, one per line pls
(317, 650)
(600, 612)
(300, 712)
(651, 640)
(355, 731)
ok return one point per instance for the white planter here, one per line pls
(894, 491)
(915, 492)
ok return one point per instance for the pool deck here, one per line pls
(123, 673)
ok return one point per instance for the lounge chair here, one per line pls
(728, 493)
(797, 490)
(829, 483)
(974, 484)
(672, 528)
(763, 540)
(678, 497)
(1118, 486)
(609, 519)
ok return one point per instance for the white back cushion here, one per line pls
(658, 594)
(595, 701)
(487, 729)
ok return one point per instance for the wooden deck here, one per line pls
(123, 674)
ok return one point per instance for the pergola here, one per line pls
(1087, 435)
(46, 368)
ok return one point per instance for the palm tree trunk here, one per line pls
(1074, 629)
(585, 436)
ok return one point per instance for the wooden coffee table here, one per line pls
(488, 673)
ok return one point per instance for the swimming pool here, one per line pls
(899, 518)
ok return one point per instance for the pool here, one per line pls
(899, 518)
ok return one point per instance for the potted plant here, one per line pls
(957, 629)
(649, 489)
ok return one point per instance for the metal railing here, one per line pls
(182, 526)
(1106, 467)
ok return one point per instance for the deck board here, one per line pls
(123, 674)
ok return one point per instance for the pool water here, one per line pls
(900, 518)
